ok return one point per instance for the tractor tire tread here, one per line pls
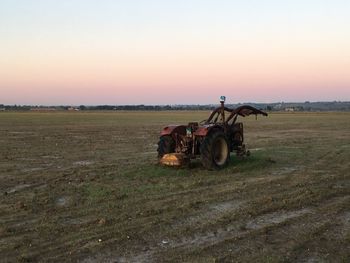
(206, 151)
(166, 145)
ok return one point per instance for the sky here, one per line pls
(73, 52)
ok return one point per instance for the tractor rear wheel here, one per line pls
(215, 151)
(166, 145)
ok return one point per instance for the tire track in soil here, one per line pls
(204, 215)
(235, 230)
(212, 212)
(208, 213)
(214, 237)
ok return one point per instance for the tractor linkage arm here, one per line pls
(243, 111)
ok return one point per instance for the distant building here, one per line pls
(289, 109)
(73, 109)
(278, 106)
(2, 109)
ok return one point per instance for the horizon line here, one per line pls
(203, 104)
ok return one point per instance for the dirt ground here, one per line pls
(85, 187)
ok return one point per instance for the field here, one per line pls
(85, 186)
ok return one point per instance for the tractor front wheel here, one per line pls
(215, 151)
(166, 145)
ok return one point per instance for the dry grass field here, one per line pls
(85, 186)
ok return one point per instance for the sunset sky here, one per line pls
(56, 52)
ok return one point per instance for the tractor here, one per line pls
(212, 140)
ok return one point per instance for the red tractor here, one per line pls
(212, 140)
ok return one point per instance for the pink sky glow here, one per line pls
(296, 52)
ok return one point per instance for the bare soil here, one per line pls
(86, 187)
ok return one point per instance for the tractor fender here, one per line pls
(206, 129)
(172, 129)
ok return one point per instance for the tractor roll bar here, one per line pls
(243, 111)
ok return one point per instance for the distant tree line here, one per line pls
(278, 106)
(146, 107)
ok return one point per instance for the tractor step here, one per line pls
(174, 159)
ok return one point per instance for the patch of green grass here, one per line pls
(270, 258)
(95, 193)
(150, 188)
(156, 171)
(256, 162)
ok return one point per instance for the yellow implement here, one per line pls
(174, 159)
